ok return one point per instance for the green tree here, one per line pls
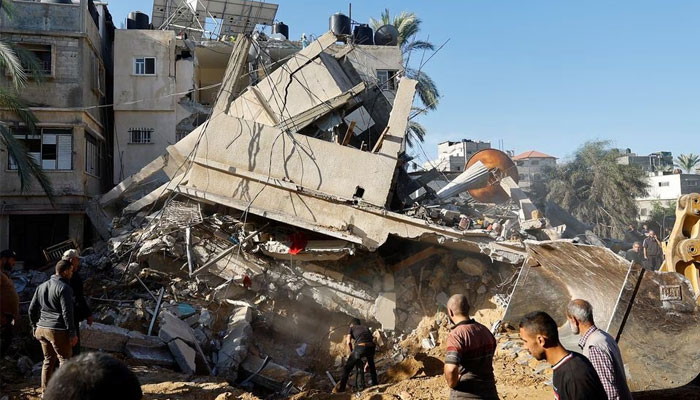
(687, 162)
(661, 217)
(16, 62)
(408, 25)
(597, 190)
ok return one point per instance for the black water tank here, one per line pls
(137, 20)
(386, 35)
(339, 24)
(281, 27)
(363, 34)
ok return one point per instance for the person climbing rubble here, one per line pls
(469, 357)
(364, 347)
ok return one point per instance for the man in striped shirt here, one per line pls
(600, 348)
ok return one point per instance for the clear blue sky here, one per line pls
(545, 75)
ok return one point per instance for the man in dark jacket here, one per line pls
(363, 348)
(51, 316)
(82, 309)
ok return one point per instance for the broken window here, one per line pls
(43, 55)
(387, 78)
(93, 155)
(50, 147)
(140, 135)
(145, 66)
(98, 76)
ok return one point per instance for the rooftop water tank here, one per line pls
(281, 27)
(363, 34)
(339, 24)
(387, 35)
(137, 20)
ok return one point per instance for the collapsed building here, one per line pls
(242, 251)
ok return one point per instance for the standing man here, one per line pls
(600, 348)
(51, 316)
(82, 309)
(9, 301)
(574, 377)
(635, 253)
(645, 230)
(469, 360)
(364, 347)
(653, 252)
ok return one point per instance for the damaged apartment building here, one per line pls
(72, 43)
(168, 72)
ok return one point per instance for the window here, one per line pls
(387, 79)
(180, 135)
(145, 66)
(98, 76)
(692, 183)
(643, 212)
(93, 155)
(140, 135)
(52, 148)
(662, 184)
(43, 55)
(534, 162)
(519, 163)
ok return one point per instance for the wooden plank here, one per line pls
(415, 258)
(378, 145)
(348, 133)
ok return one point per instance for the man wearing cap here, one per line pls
(82, 309)
(9, 300)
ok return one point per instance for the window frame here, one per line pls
(135, 69)
(141, 132)
(69, 132)
(51, 72)
(389, 81)
(96, 157)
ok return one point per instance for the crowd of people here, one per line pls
(59, 305)
(648, 252)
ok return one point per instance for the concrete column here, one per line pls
(4, 232)
(76, 227)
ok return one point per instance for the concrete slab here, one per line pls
(173, 328)
(148, 355)
(385, 310)
(184, 355)
(103, 337)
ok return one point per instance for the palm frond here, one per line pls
(687, 162)
(27, 168)
(415, 133)
(426, 88)
(12, 65)
(14, 104)
(418, 45)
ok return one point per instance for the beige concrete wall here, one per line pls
(133, 43)
(129, 158)
(71, 187)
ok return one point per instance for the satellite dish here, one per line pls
(386, 35)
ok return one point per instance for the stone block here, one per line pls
(173, 328)
(184, 355)
(148, 355)
(472, 266)
(385, 310)
(103, 337)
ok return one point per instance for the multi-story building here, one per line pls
(453, 156)
(665, 189)
(72, 43)
(166, 83)
(531, 166)
(659, 161)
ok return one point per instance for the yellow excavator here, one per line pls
(653, 315)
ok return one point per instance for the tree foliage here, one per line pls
(408, 26)
(688, 162)
(597, 190)
(661, 217)
(13, 61)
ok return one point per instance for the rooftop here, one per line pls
(532, 154)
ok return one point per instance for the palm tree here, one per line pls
(14, 60)
(596, 189)
(408, 25)
(687, 162)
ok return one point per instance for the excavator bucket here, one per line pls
(654, 316)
